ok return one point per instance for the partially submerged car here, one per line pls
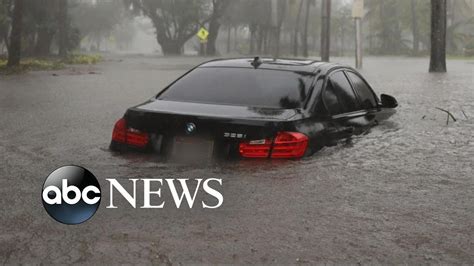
(253, 108)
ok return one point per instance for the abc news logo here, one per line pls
(71, 194)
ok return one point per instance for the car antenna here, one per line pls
(256, 62)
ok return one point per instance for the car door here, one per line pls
(368, 99)
(365, 94)
(344, 107)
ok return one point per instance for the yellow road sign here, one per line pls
(202, 34)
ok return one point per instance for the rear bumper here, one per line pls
(163, 147)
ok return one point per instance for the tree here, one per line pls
(232, 20)
(14, 53)
(278, 8)
(218, 9)
(40, 26)
(438, 36)
(297, 28)
(96, 20)
(175, 21)
(305, 29)
(63, 28)
(256, 16)
(4, 22)
(342, 25)
(391, 32)
(325, 30)
(387, 21)
(414, 25)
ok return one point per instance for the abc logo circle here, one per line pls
(71, 194)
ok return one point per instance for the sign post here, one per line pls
(357, 14)
(202, 34)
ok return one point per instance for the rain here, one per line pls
(401, 193)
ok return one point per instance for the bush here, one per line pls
(81, 59)
(469, 49)
(29, 64)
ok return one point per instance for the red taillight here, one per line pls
(255, 148)
(285, 145)
(129, 136)
(120, 131)
(289, 145)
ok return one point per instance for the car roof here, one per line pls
(298, 65)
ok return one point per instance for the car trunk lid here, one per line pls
(218, 121)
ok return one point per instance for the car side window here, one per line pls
(366, 96)
(330, 99)
(339, 96)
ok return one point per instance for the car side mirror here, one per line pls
(388, 101)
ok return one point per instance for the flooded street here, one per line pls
(403, 193)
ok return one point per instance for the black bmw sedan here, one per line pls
(253, 108)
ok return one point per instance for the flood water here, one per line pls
(402, 193)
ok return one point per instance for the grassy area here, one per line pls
(459, 57)
(48, 63)
(81, 59)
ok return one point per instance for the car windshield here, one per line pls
(241, 86)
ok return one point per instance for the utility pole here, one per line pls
(357, 14)
(325, 30)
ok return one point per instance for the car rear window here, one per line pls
(242, 86)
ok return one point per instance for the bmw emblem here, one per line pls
(190, 128)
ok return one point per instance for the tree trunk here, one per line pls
(6, 42)
(63, 28)
(260, 39)
(172, 47)
(218, 7)
(14, 54)
(343, 32)
(266, 41)
(296, 30)
(414, 28)
(305, 30)
(325, 29)
(43, 43)
(229, 29)
(371, 38)
(253, 29)
(235, 38)
(438, 36)
(214, 26)
(386, 46)
(281, 10)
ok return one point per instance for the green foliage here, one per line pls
(470, 45)
(82, 59)
(175, 21)
(96, 20)
(36, 64)
(390, 25)
(4, 19)
(39, 26)
(30, 64)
